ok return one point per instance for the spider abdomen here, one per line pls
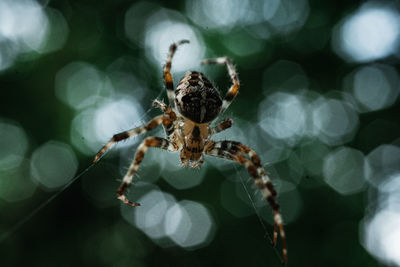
(197, 99)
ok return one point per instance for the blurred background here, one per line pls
(319, 102)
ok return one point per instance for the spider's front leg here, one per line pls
(233, 150)
(168, 81)
(141, 151)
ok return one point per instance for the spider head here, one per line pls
(197, 99)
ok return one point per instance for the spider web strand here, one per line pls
(21, 222)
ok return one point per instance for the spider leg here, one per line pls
(161, 119)
(234, 147)
(169, 84)
(141, 151)
(164, 108)
(234, 89)
(169, 129)
(233, 151)
(223, 125)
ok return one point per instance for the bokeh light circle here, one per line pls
(335, 122)
(344, 170)
(80, 85)
(13, 143)
(381, 235)
(92, 128)
(53, 164)
(16, 184)
(27, 28)
(375, 87)
(384, 161)
(283, 116)
(165, 27)
(189, 224)
(370, 33)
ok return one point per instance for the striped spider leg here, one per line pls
(168, 81)
(168, 128)
(133, 168)
(235, 151)
(167, 121)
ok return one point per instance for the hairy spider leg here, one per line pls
(141, 151)
(234, 89)
(169, 128)
(232, 150)
(236, 146)
(168, 81)
(223, 125)
(161, 119)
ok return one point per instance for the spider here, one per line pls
(193, 106)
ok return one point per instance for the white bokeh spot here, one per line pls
(370, 33)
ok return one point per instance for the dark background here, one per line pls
(322, 173)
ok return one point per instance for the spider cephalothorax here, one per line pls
(187, 121)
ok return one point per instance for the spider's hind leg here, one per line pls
(233, 150)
